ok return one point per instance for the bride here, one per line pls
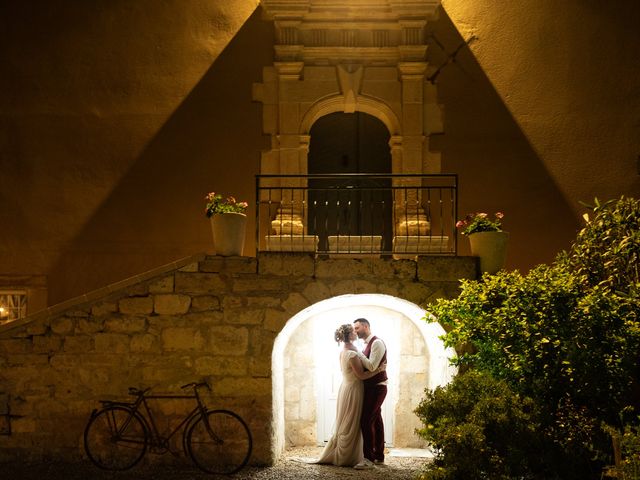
(345, 446)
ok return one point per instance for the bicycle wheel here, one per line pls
(115, 438)
(219, 443)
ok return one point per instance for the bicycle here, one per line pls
(118, 435)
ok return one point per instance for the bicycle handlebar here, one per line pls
(196, 385)
(137, 392)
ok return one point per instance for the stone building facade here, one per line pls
(223, 319)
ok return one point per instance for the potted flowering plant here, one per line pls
(487, 239)
(480, 222)
(228, 223)
(216, 204)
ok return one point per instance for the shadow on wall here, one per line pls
(498, 168)
(155, 215)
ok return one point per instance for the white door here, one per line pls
(328, 379)
(328, 375)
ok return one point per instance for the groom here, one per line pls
(375, 391)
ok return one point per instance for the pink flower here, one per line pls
(480, 222)
(216, 204)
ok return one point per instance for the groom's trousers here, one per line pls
(371, 422)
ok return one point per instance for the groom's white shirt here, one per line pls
(375, 356)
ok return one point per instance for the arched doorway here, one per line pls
(420, 358)
(385, 323)
(347, 143)
(326, 63)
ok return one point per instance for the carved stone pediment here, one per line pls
(356, 9)
(365, 31)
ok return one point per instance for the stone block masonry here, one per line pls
(213, 318)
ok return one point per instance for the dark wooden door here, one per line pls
(349, 143)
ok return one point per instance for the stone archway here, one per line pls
(339, 103)
(421, 356)
(290, 109)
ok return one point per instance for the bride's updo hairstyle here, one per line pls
(343, 332)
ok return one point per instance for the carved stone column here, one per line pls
(410, 218)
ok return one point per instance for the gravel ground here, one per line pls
(289, 467)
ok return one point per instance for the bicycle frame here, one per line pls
(158, 439)
(119, 434)
(141, 407)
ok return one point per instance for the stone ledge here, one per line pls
(344, 268)
(446, 269)
(98, 294)
(290, 263)
(236, 264)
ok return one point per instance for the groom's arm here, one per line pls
(377, 352)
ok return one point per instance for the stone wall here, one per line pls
(414, 365)
(300, 386)
(206, 317)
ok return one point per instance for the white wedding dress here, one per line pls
(345, 446)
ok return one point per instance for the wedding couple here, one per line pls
(358, 436)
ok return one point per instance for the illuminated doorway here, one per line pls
(421, 362)
(385, 324)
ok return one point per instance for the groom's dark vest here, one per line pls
(380, 377)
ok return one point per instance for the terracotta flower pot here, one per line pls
(229, 233)
(491, 247)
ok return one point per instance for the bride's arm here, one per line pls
(359, 370)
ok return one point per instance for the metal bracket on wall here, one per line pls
(6, 416)
(451, 57)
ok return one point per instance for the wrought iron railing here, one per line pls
(357, 214)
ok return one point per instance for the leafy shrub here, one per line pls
(566, 335)
(630, 449)
(607, 251)
(479, 428)
(627, 442)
